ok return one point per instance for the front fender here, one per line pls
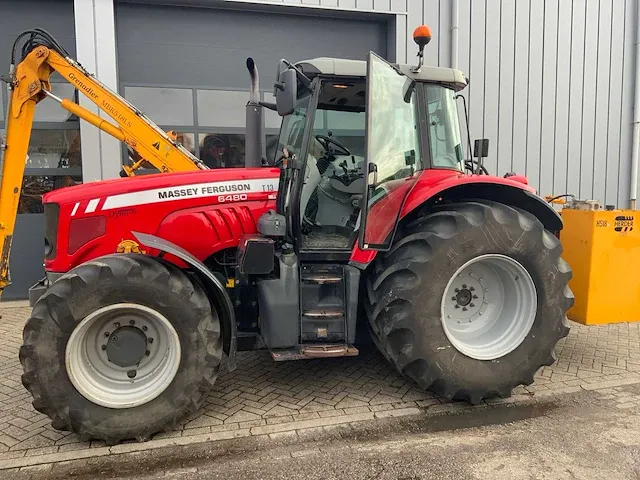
(213, 285)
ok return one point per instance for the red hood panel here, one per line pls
(116, 186)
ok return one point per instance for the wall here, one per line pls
(551, 86)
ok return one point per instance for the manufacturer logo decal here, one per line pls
(623, 223)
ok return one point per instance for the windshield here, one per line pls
(444, 129)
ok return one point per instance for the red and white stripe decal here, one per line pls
(181, 192)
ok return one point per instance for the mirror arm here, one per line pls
(466, 119)
(306, 81)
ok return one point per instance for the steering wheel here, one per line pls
(326, 141)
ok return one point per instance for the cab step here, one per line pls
(308, 352)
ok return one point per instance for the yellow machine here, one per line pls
(29, 83)
(602, 246)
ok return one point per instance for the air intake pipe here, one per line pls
(254, 137)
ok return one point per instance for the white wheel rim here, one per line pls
(104, 383)
(489, 307)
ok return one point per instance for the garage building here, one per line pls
(551, 83)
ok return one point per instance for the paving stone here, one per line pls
(264, 397)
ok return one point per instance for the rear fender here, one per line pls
(506, 191)
(212, 284)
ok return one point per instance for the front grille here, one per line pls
(51, 217)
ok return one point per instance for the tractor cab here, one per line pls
(356, 134)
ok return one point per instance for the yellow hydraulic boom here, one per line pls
(29, 83)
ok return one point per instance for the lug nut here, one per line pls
(472, 305)
(132, 322)
(117, 324)
(471, 289)
(150, 340)
(103, 347)
(464, 309)
(106, 334)
(464, 285)
(147, 353)
(131, 373)
(457, 306)
(475, 296)
(453, 298)
(144, 328)
(457, 290)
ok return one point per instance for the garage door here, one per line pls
(185, 66)
(54, 150)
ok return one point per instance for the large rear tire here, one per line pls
(471, 300)
(84, 355)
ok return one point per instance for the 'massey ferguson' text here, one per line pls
(203, 191)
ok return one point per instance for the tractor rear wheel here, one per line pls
(471, 300)
(121, 347)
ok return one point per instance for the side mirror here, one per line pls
(481, 148)
(286, 89)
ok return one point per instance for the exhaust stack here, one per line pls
(254, 137)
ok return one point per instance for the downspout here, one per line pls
(636, 120)
(454, 33)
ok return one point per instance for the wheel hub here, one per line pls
(123, 355)
(126, 346)
(463, 297)
(489, 306)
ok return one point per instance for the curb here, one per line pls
(274, 431)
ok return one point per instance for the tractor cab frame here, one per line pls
(357, 134)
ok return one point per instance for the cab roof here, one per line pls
(357, 68)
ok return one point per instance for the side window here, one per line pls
(444, 130)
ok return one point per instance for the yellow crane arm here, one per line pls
(30, 83)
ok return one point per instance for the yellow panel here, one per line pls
(603, 249)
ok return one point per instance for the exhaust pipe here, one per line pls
(254, 137)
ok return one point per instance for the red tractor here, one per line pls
(370, 208)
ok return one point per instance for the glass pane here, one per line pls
(48, 110)
(444, 129)
(217, 108)
(271, 147)
(54, 149)
(222, 150)
(271, 118)
(165, 106)
(393, 146)
(35, 186)
(292, 131)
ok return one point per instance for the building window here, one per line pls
(53, 156)
(217, 108)
(210, 123)
(164, 106)
(220, 150)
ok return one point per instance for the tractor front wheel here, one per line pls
(121, 347)
(471, 300)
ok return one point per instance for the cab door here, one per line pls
(393, 153)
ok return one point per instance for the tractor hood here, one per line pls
(102, 190)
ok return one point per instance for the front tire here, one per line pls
(412, 293)
(121, 347)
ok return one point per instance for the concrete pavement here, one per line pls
(264, 399)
